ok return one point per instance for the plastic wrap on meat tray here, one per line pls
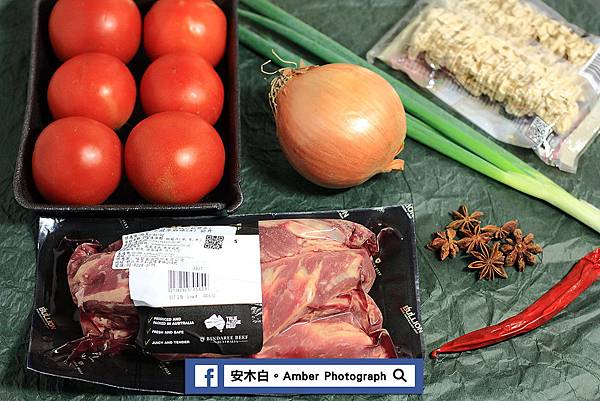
(343, 330)
(515, 68)
(315, 278)
(108, 318)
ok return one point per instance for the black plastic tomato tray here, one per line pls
(226, 198)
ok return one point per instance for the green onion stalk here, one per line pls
(426, 122)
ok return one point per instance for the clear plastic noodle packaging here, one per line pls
(515, 68)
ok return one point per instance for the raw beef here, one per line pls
(315, 278)
(336, 336)
(350, 326)
(294, 286)
(107, 315)
(284, 238)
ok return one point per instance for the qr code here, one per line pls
(539, 131)
(214, 242)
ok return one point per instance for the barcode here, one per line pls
(214, 242)
(187, 281)
(591, 71)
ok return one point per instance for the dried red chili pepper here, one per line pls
(581, 276)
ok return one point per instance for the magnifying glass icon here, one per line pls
(399, 375)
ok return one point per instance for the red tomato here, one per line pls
(77, 161)
(182, 82)
(103, 26)
(174, 157)
(93, 85)
(196, 26)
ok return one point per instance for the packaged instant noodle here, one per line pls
(515, 68)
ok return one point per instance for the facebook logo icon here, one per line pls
(206, 376)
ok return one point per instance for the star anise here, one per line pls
(474, 240)
(464, 221)
(521, 250)
(444, 242)
(490, 262)
(503, 231)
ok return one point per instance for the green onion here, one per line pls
(520, 176)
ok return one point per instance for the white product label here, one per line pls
(545, 140)
(539, 131)
(591, 71)
(191, 266)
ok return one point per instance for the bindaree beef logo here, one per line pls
(46, 318)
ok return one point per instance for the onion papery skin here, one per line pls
(339, 124)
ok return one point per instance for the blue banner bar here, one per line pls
(304, 376)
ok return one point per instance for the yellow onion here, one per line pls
(338, 124)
